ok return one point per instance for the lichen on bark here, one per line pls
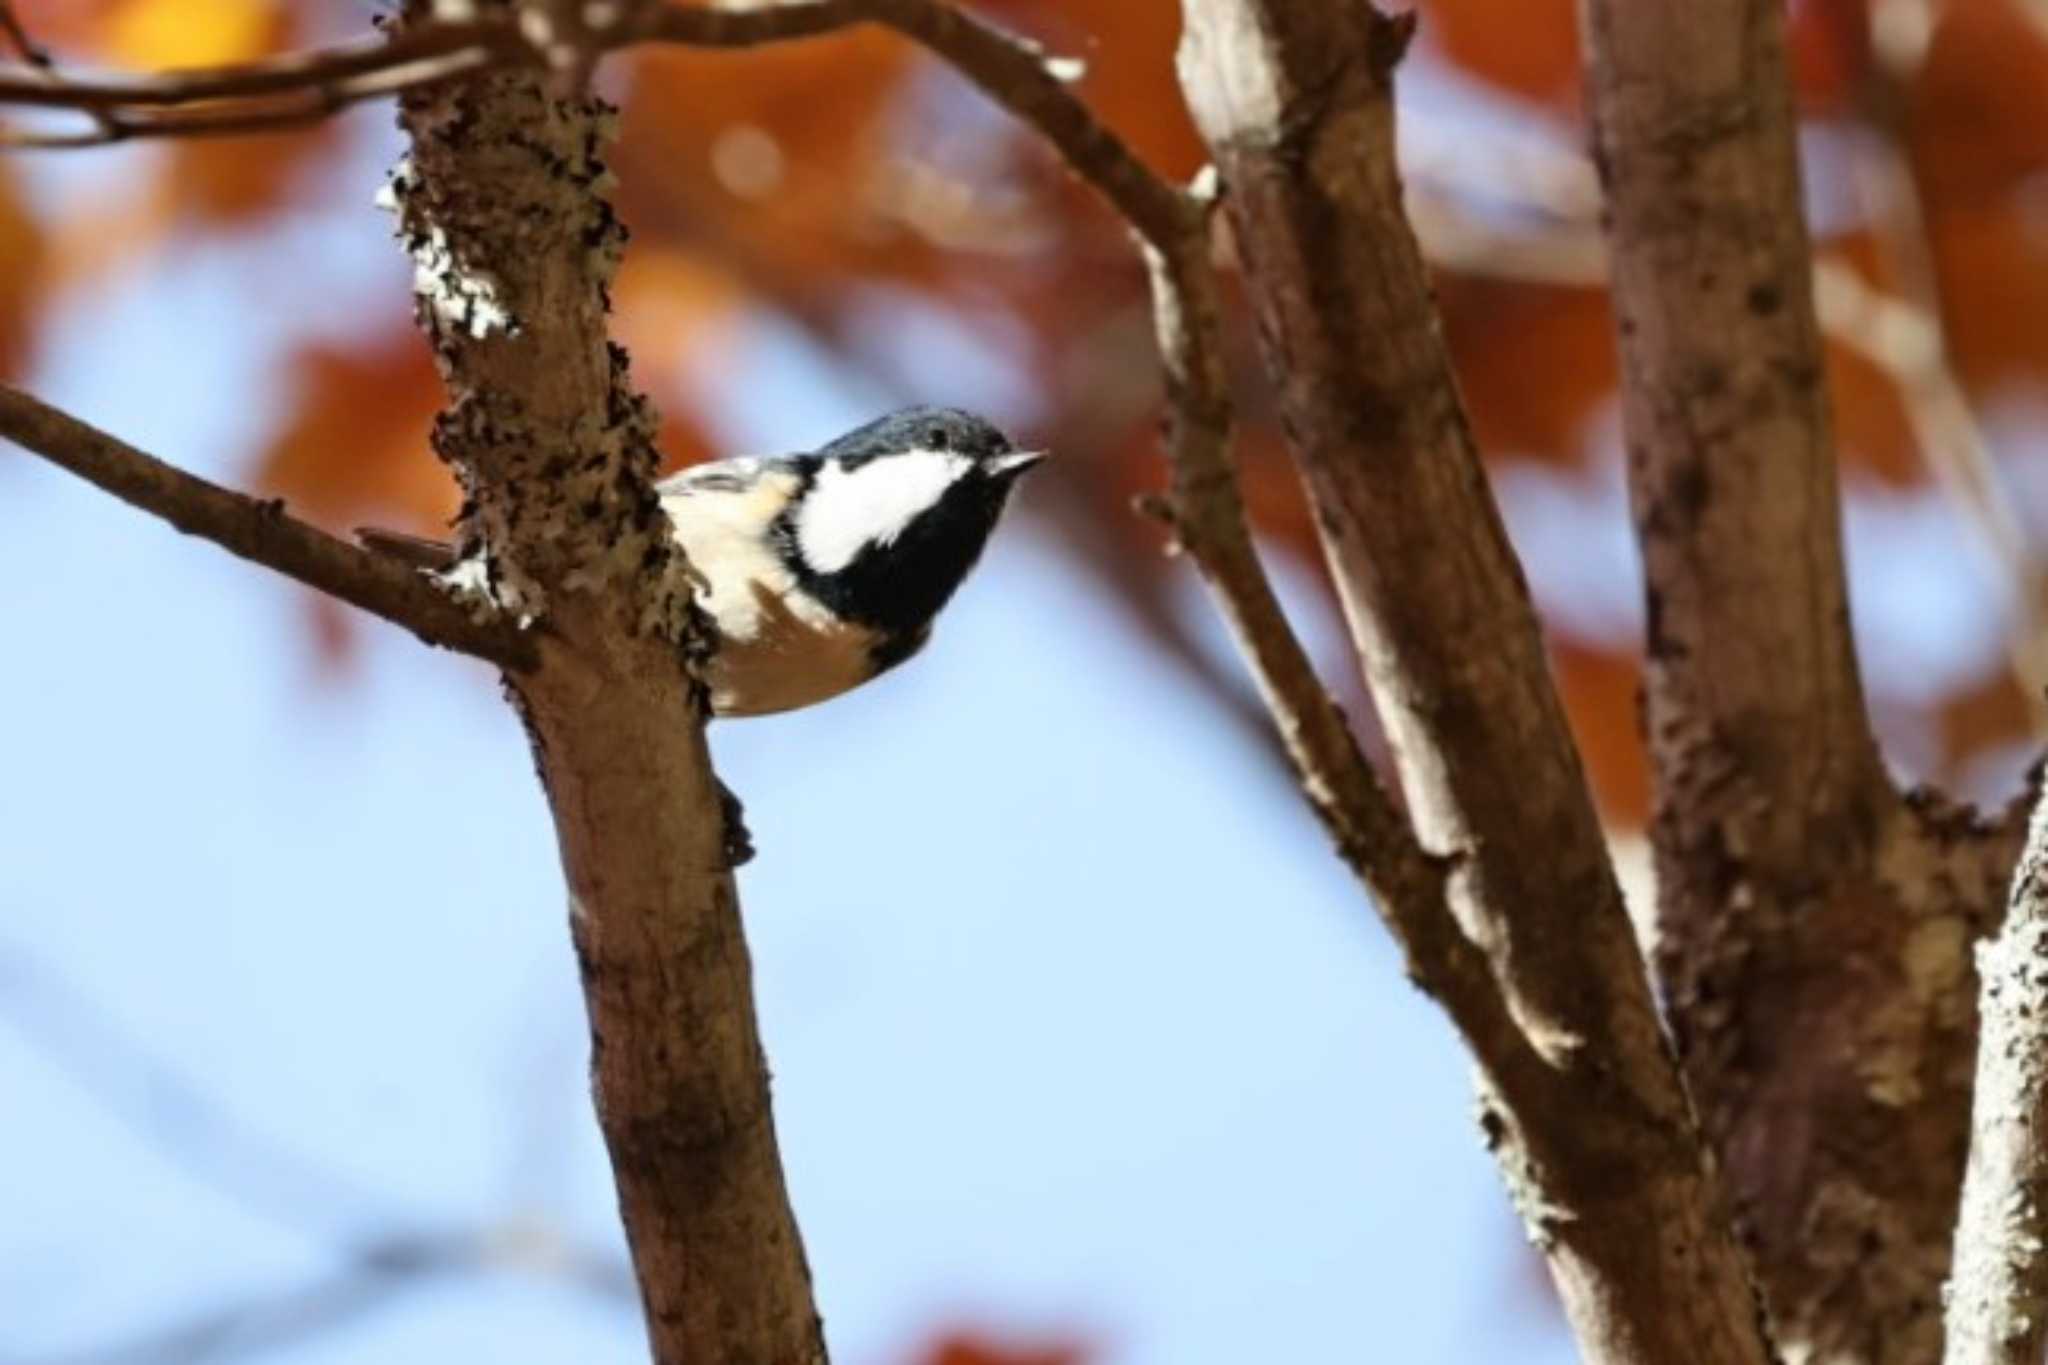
(552, 446)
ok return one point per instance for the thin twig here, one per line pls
(1998, 1293)
(11, 28)
(297, 88)
(260, 531)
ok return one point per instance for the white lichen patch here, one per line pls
(465, 299)
(471, 582)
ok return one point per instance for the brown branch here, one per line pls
(1016, 75)
(500, 202)
(12, 30)
(1208, 521)
(1998, 1296)
(260, 531)
(299, 88)
(1295, 100)
(1814, 926)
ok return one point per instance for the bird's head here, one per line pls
(896, 512)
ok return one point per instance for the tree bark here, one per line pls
(1814, 926)
(500, 204)
(1294, 98)
(1998, 1299)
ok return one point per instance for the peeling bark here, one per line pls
(500, 204)
(1294, 99)
(1814, 925)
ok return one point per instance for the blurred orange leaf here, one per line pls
(1128, 77)
(777, 154)
(968, 1348)
(155, 35)
(1534, 361)
(1871, 427)
(1978, 114)
(24, 248)
(666, 301)
(353, 446)
(1528, 46)
(1601, 687)
(1830, 50)
(1988, 715)
(1993, 266)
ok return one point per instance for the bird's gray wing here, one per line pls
(734, 475)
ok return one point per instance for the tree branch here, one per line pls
(1814, 925)
(11, 29)
(1998, 1296)
(500, 204)
(261, 531)
(1295, 100)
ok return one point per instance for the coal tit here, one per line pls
(824, 570)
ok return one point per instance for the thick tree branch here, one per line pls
(1998, 1297)
(514, 246)
(1295, 100)
(263, 532)
(1814, 927)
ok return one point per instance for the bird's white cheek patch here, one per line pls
(850, 509)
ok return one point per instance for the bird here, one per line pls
(825, 569)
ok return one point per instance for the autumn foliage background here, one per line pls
(820, 230)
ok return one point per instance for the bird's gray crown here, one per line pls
(923, 427)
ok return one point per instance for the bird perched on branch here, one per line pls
(824, 570)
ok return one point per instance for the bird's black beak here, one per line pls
(1016, 462)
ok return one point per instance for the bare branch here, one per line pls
(11, 29)
(1794, 882)
(1998, 1295)
(299, 88)
(1295, 100)
(1372, 837)
(260, 531)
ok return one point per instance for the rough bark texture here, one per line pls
(501, 206)
(1998, 1298)
(1294, 98)
(1814, 926)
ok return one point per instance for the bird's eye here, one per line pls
(935, 439)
